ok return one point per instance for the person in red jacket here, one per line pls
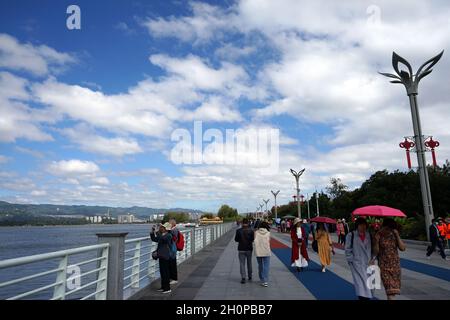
(299, 255)
(447, 236)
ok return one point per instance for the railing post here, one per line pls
(135, 271)
(204, 236)
(59, 292)
(102, 284)
(193, 242)
(151, 263)
(114, 286)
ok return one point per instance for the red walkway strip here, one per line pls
(275, 244)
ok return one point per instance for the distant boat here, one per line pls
(191, 225)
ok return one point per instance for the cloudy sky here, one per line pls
(87, 116)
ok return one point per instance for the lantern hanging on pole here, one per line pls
(432, 144)
(407, 145)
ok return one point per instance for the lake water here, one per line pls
(24, 241)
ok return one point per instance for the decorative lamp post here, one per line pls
(265, 201)
(275, 196)
(307, 202)
(297, 177)
(411, 83)
(432, 144)
(317, 203)
(407, 145)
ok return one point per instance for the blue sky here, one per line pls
(88, 115)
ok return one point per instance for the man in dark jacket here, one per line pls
(245, 237)
(436, 240)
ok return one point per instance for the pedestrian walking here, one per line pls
(307, 226)
(283, 226)
(245, 237)
(263, 252)
(164, 253)
(340, 231)
(442, 226)
(324, 245)
(448, 232)
(358, 251)
(299, 254)
(436, 240)
(387, 244)
(346, 229)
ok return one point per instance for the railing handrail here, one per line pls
(47, 256)
(137, 239)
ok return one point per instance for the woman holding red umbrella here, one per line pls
(299, 256)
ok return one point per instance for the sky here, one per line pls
(89, 115)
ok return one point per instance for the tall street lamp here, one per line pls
(411, 83)
(317, 203)
(275, 196)
(307, 202)
(297, 177)
(265, 201)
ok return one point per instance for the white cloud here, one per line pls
(231, 52)
(73, 167)
(18, 120)
(89, 141)
(206, 21)
(197, 72)
(38, 193)
(38, 60)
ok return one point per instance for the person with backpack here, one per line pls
(245, 237)
(358, 251)
(164, 254)
(263, 252)
(177, 245)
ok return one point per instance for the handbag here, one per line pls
(155, 255)
(315, 246)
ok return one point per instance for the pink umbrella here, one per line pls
(378, 211)
(323, 219)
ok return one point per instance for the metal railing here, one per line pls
(63, 287)
(118, 269)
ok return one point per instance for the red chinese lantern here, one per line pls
(432, 144)
(407, 145)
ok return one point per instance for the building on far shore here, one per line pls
(128, 218)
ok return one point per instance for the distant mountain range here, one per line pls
(82, 210)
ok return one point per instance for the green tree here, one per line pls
(179, 217)
(226, 211)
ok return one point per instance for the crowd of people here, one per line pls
(366, 244)
(369, 244)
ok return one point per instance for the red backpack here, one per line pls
(180, 241)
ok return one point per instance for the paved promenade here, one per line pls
(213, 274)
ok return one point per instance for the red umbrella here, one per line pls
(323, 219)
(378, 211)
